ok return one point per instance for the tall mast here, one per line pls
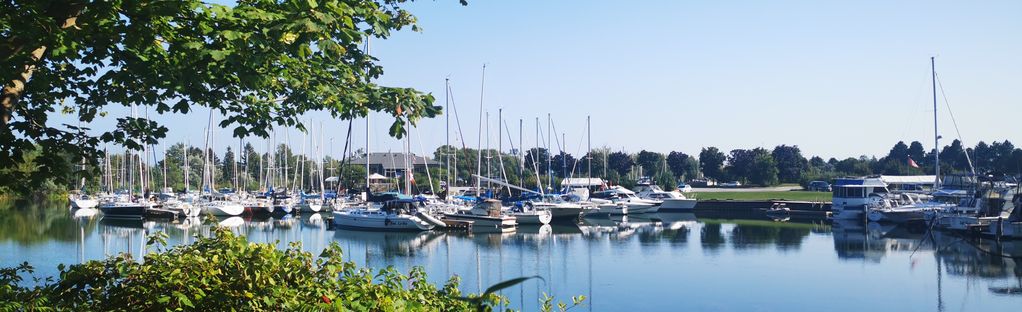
(368, 79)
(500, 140)
(489, 159)
(521, 155)
(549, 156)
(936, 137)
(479, 142)
(589, 144)
(447, 131)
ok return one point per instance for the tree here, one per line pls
(257, 63)
(790, 163)
(682, 164)
(563, 165)
(620, 163)
(651, 162)
(755, 166)
(711, 163)
(536, 159)
(227, 167)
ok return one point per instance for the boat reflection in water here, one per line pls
(620, 263)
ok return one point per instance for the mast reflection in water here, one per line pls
(644, 263)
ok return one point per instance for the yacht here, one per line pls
(852, 197)
(636, 205)
(395, 215)
(486, 216)
(669, 201)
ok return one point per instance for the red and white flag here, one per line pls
(912, 163)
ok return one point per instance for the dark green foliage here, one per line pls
(755, 166)
(682, 165)
(711, 163)
(225, 272)
(790, 163)
(258, 63)
(620, 162)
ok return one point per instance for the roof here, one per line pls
(393, 161)
(862, 182)
(918, 179)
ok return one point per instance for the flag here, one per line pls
(912, 163)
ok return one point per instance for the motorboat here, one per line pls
(669, 201)
(395, 215)
(636, 205)
(852, 197)
(486, 216)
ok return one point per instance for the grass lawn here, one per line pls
(788, 195)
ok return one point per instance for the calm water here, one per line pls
(664, 262)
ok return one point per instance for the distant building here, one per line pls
(392, 165)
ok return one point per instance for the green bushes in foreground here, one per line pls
(225, 272)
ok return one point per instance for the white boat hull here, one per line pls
(84, 203)
(224, 210)
(536, 217)
(379, 222)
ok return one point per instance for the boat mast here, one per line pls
(447, 115)
(589, 155)
(479, 141)
(489, 159)
(936, 137)
(549, 156)
(368, 80)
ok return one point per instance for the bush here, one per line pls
(225, 272)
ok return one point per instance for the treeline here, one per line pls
(757, 166)
(786, 164)
(536, 167)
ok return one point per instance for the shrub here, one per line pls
(225, 272)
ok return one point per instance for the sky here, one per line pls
(837, 78)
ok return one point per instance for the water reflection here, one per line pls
(607, 259)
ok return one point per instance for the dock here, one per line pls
(806, 210)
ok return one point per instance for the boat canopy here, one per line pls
(915, 179)
(582, 182)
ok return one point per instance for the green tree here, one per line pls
(257, 63)
(790, 163)
(620, 162)
(711, 163)
(681, 164)
(651, 162)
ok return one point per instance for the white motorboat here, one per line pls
(605, 207)
(486, 217)
(852, 197)
(636, 205)
(669, 201)
(395, 215)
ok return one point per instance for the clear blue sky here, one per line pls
(836, 78)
